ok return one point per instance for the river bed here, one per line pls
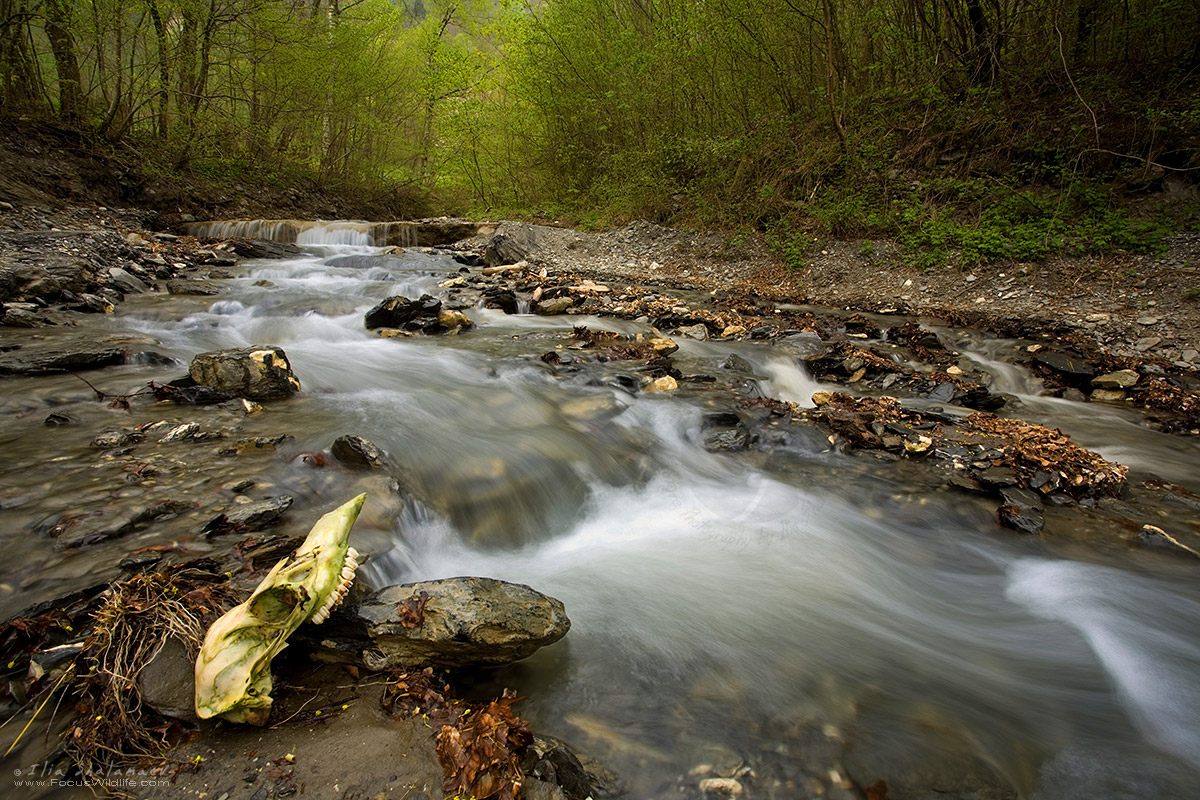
(792, 615)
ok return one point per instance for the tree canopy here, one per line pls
(855, 113)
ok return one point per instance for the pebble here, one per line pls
(1147, 343)
(663, 384)
(726, 786)
(1147, 320)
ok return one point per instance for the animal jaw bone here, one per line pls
(233, 669)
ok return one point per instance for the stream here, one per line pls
(807, 612)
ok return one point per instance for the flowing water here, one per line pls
(803, 610)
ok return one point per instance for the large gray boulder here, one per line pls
(261, 372)
(458, 622)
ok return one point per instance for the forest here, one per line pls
(986, 128)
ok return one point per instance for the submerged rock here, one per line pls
(459, 622)
(259, 373)
(358, 453)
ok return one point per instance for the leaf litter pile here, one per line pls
(1038, 458)
(479, 745)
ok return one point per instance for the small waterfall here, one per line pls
(313, 232)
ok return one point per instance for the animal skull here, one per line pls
(233, 670)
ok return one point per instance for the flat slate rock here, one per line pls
(31, 360)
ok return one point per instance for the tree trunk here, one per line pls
(164, 71)
(62, 47)
(831, 74)
(22, 80)
(984, 68)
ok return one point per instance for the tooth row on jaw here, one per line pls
(337, 595)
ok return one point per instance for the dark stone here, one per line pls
(726, 439)
(31, 360)
(943, 393)
(981, 399)
(997, 477)
(186, 392)
(249, 517)
(569, 773)
(1152, 536)
(261, 248)
(167, 683)
(358, 453)
(1064, 364)
(1022, 510)
(960, 481)
(57, 419)
(502, 249)
(192, 287)
(737, 363)
(21, 318)
(261, 372)
(503, 299)
(400, 312)
(124, 281)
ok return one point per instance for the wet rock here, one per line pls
(259, 373)
(1064, 364)
(1108, 395)
(459, 622)
(186, 392)
(1154, 536)
(196, 287)
(723, 432)
(554, 305)
(88, 303)
(664, 384)
(960, 481)
(806, 346)
(997, 477)
(728, 787)
(249, 516)
(19, 316)
(114, 439)
(568, 772)
(1022, 510)
(913, 335)
(943, 393)
(358, 453)
(453, 319)
(665, 347)
(535, 788)
(263, 248)
(123, 281)
(56, 419)
(694, 332)
(167, 682)
(1121, 379)
(400, 312)
(503, 299)
(35, 360)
